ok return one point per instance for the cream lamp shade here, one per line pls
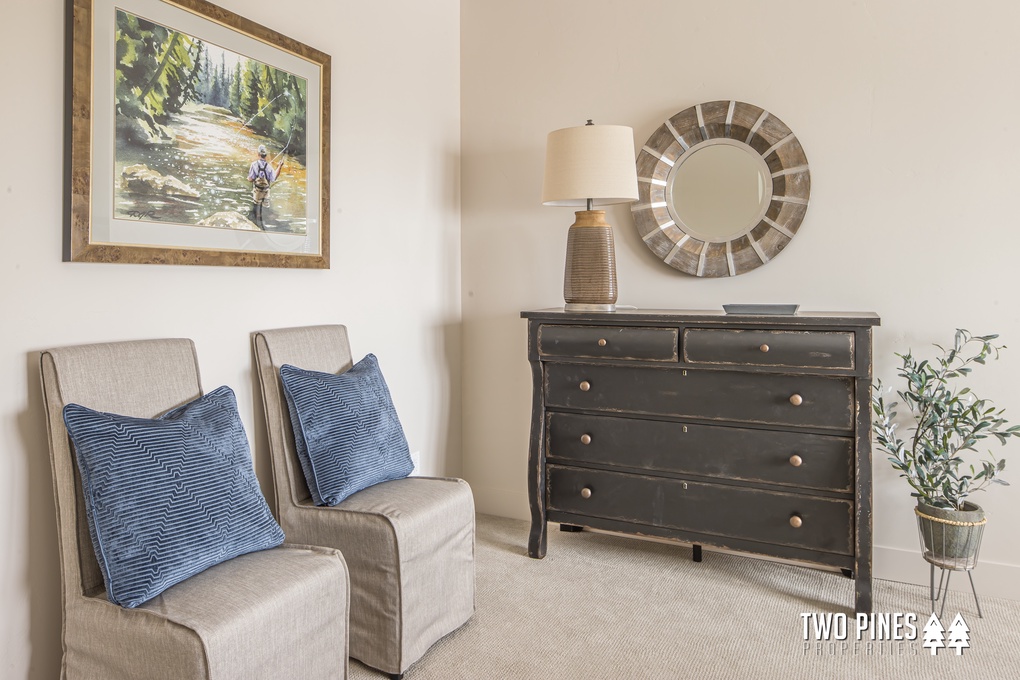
(590, 162)
(587, 166)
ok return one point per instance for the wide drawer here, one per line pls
(608, 342)
(809, 522)
(786, 458)
(793, 349)
(798, 400)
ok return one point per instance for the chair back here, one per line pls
(313, 348)
(142, 378)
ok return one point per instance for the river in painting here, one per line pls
(210, 152)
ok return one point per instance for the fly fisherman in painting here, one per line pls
(261, 174)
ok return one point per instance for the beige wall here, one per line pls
(906, 111)
(395, 278)
(905, 116)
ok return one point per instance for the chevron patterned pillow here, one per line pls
(346, 430)
(168, 497)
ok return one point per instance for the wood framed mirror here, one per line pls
(723, 188)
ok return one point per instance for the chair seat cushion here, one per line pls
(245, 595)
(169, 497)
(346, 431)
(277, 613)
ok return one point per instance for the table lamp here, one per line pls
(586, 166)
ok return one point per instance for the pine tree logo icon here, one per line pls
(959, 635)
(934, 634)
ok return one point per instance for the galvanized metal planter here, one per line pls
(951, 541)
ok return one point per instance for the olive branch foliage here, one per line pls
(948, 422)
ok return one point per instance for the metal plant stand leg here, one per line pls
(945, 593)
(938, 593)
(943, 590)
(970, 575)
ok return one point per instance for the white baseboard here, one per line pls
(992, 579)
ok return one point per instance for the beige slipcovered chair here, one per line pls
(277, 613)
(409, 543)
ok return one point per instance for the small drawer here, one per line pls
(774, 399)
(810, 522)
(808, 461)
(608, 342)
(788, 349)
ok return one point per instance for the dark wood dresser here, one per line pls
(751, 433)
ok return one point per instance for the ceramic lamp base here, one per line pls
(589, 278)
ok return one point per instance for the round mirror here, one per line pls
(719, 190)
(723, 189)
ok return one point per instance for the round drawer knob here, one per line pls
(795, 399)
(764, 348)
(602, 342)
(586, 439)
(585, 492)
(796, 522)
(796, 460)
(585, 385)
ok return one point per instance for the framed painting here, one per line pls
(196, 137)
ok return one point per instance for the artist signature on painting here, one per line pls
(141, 214)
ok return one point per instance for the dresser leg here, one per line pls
(697, 552)
(537, 539)
(862, 595)
(570, 527)
(862, 580)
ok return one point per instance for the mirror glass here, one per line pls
(718, 191)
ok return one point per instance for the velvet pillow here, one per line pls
(346, 431)
(168, 497)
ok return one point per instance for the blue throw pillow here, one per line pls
(168, 497)
(346, 430)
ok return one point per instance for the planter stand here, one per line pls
(951, 546)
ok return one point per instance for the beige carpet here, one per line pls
(601, 606)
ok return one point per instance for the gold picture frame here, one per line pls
(176, 108)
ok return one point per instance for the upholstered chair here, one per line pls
(276, 613)
(409, 543)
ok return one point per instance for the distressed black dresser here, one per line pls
(751, 433)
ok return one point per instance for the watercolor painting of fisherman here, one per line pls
(190, 116)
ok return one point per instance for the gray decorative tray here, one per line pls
(761, 309)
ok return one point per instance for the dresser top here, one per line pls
(706, 316)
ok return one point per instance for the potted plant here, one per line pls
(939, 454)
